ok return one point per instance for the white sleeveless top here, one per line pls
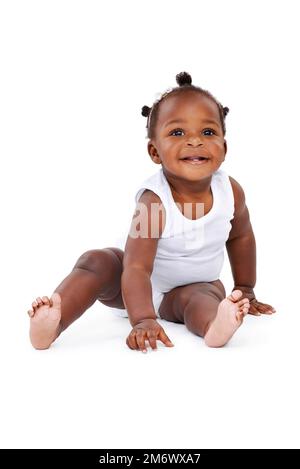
(190, 251)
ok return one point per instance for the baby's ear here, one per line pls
(225, 147)
(153, 153)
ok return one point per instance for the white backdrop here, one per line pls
(74, 76)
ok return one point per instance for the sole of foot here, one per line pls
(230, 315)
(44, 321)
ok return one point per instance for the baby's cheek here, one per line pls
(218, 145)
(217, 149)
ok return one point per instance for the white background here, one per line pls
(74, 76)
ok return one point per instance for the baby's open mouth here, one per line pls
(196, 160)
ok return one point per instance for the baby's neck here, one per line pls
(190, 191)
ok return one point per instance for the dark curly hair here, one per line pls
(184, 81)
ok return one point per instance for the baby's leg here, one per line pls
(205, 310)
(96, 275)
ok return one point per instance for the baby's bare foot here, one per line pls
(44, 320)
(231, 312)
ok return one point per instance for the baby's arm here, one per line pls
(136, 285)
(241, 250)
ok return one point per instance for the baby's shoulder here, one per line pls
(148, 196)
(238, 194)
(150, 210)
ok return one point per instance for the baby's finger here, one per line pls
(127, 343)
(131, 342)
(164, 338)
(140, 340)
(152, 339)
(253, 310)
(270, 308)
(264, 309)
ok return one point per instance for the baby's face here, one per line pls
(197, 131)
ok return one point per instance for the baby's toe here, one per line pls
(243, 302)
(34, 304)
(242, 311)
(46, 300)
(239, 315)
(39, 301)
(30, 313)
(235, 295)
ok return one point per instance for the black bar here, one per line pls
(133, 458)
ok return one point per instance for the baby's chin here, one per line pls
(191, 170)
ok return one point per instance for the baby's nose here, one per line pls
(195, 142)
(194, 138)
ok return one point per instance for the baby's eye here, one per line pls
(176, 130)
(209, 130)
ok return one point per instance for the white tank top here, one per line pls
(189, 250)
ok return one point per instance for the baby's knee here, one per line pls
(95, 260)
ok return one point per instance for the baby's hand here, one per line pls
(147, 329)
(256, 307)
